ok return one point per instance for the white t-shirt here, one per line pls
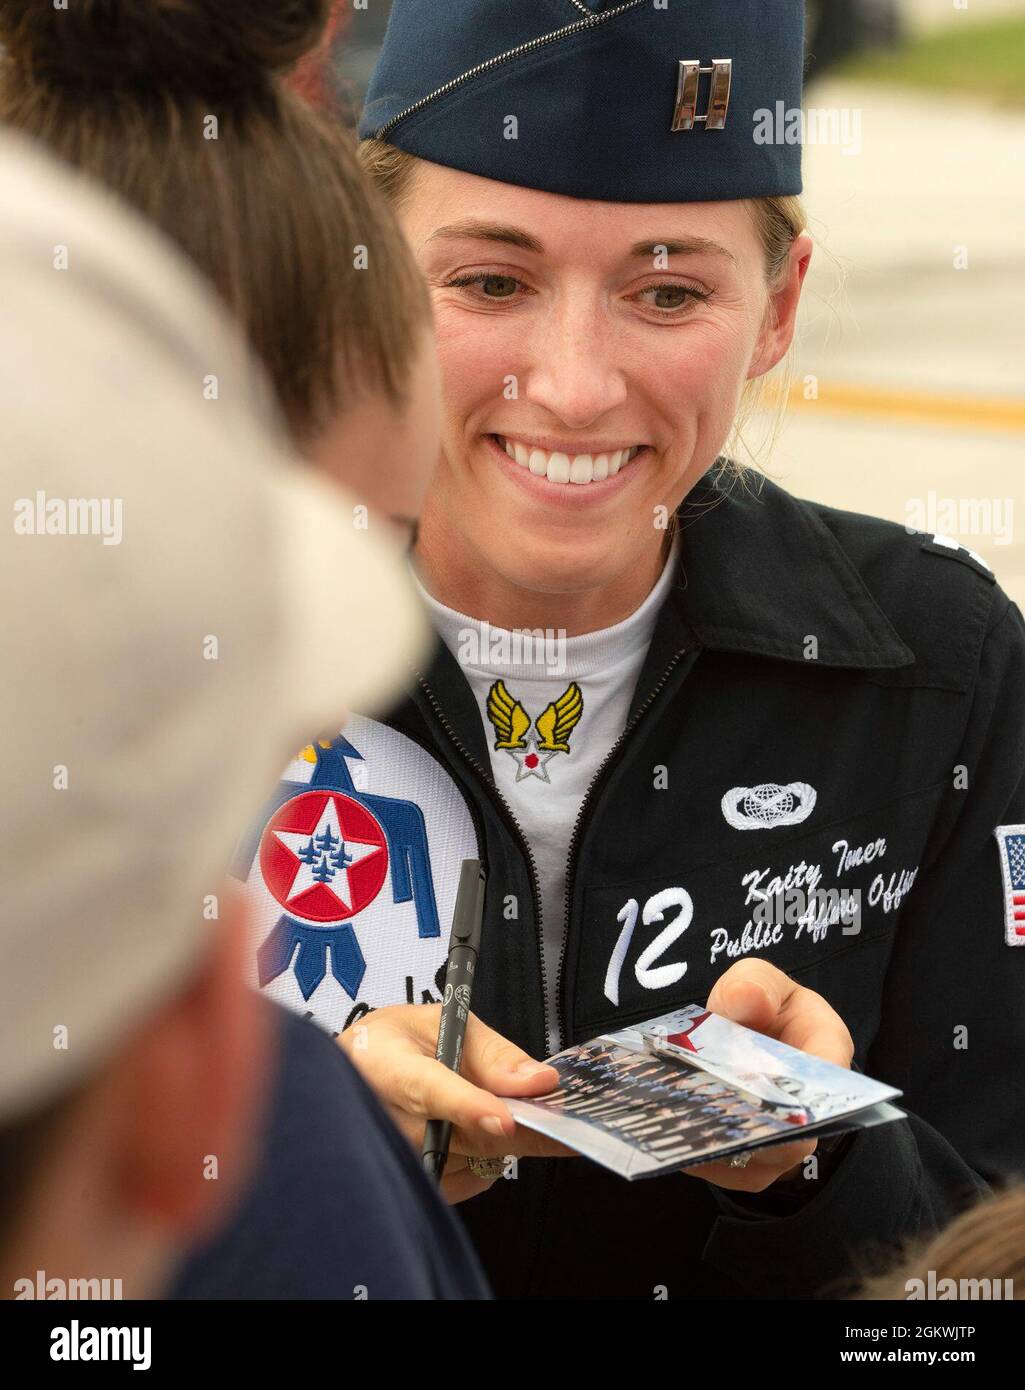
(552, 710)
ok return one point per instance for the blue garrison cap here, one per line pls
(644, 101)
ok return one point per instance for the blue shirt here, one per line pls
(338, 1206)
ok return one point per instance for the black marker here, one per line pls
(463, 950)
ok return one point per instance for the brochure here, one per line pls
(689, 1087)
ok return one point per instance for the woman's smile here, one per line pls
(571, 474)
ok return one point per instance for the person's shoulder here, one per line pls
(337, 1202)
(875, 541)
(939, 595)
(321, 1099)
(313, 1056)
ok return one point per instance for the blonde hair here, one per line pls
(778, 221)
(986, 1242)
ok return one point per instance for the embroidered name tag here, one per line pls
(1011, 842)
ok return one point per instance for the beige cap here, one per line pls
(182, 605)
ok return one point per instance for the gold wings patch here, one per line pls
(560, 719)
(554, 725)
(510, 719)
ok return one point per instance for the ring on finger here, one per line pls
(740, 1160)
(486, 1168)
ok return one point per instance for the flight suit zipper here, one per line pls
(542, 1199)
(486, 777)
(631, 724)
(574, 839)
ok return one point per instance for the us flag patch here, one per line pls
(1011, 841)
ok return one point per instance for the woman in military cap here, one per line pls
(728, 685)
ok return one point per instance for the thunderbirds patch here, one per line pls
(351, 874)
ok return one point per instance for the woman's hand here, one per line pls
(394, 1050)
(759, 996)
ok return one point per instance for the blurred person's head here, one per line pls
(167, 573)
(182, 107)
(980, 1255)
(312, 77)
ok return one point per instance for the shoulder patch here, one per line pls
(351, 874)
(1011, 842)
(954, 550)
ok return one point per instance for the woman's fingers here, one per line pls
(813, 1026)
(492, 1061)
(524, 1143)
(760, 996)
(780, 1158)
(394, 1049)
(458, 1183)
(751, 992)
(424, 1088)
(764, 1168)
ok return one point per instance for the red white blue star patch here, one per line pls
(1011, 843)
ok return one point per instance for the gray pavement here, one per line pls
(922, 16)
(920, 365)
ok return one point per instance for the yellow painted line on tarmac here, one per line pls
(965, 412)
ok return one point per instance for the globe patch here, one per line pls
(769, 804)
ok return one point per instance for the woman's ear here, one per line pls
(781, 311)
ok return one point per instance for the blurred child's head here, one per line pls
(181, 107)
